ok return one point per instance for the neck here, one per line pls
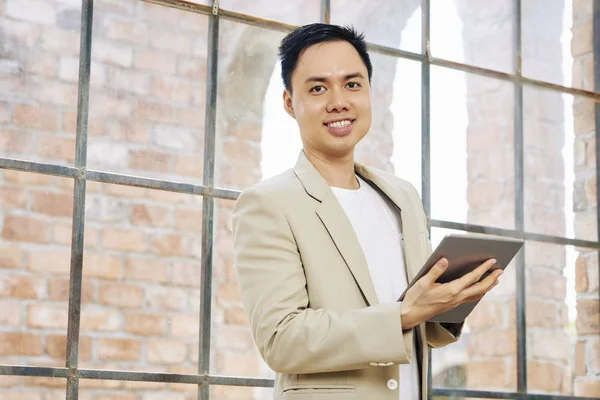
(337, 172)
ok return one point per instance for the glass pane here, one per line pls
(484, 358)
(472, 151)
(299, 12)
(406, 113)
(557, 42)
(99, 389)
(560, 165)
(391, 23)
(238, 392)
(562, 320)
(148, 91)
(232, 349)
(472, 32)
(38, 79)
(35, 257)
(250, 105)
(394, 139)
(143, 275)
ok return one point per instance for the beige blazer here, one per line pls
(308, 294)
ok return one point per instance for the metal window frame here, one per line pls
(81, 175)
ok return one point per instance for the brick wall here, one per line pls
(142, 247)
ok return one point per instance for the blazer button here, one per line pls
(392, 384)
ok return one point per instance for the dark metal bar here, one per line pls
(519, 204)
(538, 237)
(83, 101)
(41, 168)
(596, 55)
(208, 205)
(475, 393)
(18, 370)
(326, 11)
(426, 139)
(240, 381)
(170, 186)
(139, 376)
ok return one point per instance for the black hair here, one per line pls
(297, 41)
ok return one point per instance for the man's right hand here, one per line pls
(427, 298)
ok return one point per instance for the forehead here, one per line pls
(329, 60)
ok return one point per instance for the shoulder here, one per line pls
(278, 190)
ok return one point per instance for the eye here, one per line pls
(353, 85)
(317, 89)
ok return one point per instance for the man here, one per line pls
(323, 251)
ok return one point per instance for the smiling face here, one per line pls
(331, 99)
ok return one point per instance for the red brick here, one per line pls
(153, 112)
(185, 325)
(581, 42)
(129, 131)
(173, 197)
(171, 89)
(25, 229)
(123, 239)
(21, 395)
(588, 316)
(53, 204)
(23, 287)
(579, 368)
(186, 273)
(146, 324)
(33, 11)
(113, 53)
(104, 104)
(15, 141)
(56, 347)
(228, 292)
(544, 376)
(188, 220)
(121, 295)
(143, 214)
(11, 198)
(161, 298)
(56, 261)
(59, 290)
(130, 31)
(546, 284)
(241, 150)
(98, 265)
(194, 118)
(35, 117)
(155, 61)
(235, 338)
(581, 279)
(168, 245)
(96, 125)
(62, 234)
(146, 270)
(148, 160)
(28, 178)
(56, 147)
(123, 396)
(491, 373)
(11, 258)
(119, 349)
(20, 344)
(161, 351)
(583, 116)
(125, 191)
(95, 318)
(545, 313)
(58, 93)
(10, 313)
(238, 364)
(44, 64)
(588, 387)
(236, 316)
(169, 41)
(41, 316)
(189, 165)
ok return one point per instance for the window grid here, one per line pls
(204, 379)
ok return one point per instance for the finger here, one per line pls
(436, 271)
(475, 275)
(481, 288)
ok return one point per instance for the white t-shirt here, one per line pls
(378, 227)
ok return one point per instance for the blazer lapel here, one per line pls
(333, 217)
(410, 232)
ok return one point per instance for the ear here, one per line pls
(287, 103)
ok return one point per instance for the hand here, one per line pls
(427, 298)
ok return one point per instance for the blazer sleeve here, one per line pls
(291, 337)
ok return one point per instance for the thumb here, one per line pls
(437, 270)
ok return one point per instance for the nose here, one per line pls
(337, 101)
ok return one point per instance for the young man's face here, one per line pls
(331, 99)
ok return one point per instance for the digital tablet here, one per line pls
(464, 253)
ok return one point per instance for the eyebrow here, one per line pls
(322, 79)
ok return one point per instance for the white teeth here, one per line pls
(339, 124)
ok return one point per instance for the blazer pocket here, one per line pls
(320, 391)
